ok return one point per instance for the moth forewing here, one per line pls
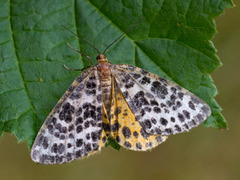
(74, 127)
(161, 106)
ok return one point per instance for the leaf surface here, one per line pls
(173, 41)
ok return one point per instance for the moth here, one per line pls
(136, 108)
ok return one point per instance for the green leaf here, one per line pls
(113, 143)
(173, 41)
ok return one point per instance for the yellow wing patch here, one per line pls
(105, 125)
(125, 129)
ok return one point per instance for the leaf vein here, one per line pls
(18, 63)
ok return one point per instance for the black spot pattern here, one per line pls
(154, 121)
(126, 132)
(144, 134)
(178, 129)
(74, 96)
(99, 98)
(159, 89)
(186, 114)
(117, 111)
(191, 105)
(45, 143)
(173, 119)
(89, 111)
(163, 121)
(79, 121)
(181, 117)
(157, 110)
(135, 76)
(66, 112)
(115, 127)
(140, 100)
(125, 94)
(159, 139)
(94, 136)
(148, 124)
(145, 80)
(104, 139)
(135, 134)
(127, 144)
(118, 139)
(79, 111)
(138, 145)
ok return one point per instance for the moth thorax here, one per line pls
(103, 66)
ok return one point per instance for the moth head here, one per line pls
(101, 58)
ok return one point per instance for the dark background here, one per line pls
(204, 153)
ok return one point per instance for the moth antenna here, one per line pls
(81, 53)
(131, 27)
(82, 39)
(75, 69)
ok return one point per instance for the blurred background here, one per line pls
(204, 153)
